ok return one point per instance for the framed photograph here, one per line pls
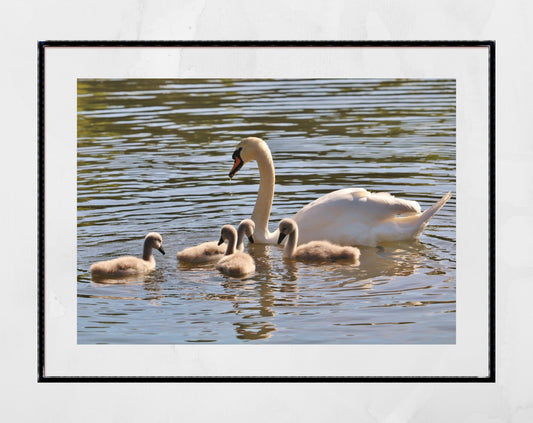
(365, 168)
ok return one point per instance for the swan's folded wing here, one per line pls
(356, 204)
(386, 205)
(350, 216)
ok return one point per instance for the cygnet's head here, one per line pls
(248, 226)
(245, 152)
(155, 240)
(286, 227)
(227, 232)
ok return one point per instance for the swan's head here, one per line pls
(286, 227)
(245, 152)
(154, 240)
(248, 226)
(227, 233)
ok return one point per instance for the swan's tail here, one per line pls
(426, 216)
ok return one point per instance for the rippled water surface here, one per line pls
(154, 155)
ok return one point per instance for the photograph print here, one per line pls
(266, 211)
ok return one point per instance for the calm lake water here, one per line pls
(154, 155)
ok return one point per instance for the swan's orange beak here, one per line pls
(237, 164)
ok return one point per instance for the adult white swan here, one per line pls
(350, 216)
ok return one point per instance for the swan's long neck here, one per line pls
(290, 246)
(263, 205)
(147, 251)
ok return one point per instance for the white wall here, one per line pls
(24, 23)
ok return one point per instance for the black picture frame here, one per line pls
(41, 334)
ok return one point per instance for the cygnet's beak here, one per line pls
(281, 237)
(160, 249)
(251, 239)
(220, 241)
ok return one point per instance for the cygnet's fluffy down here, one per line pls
(202, 253)
(212, 250)
(314, 250)
(129, 265)
(234, 263)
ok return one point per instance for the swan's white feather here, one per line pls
(352, 216)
